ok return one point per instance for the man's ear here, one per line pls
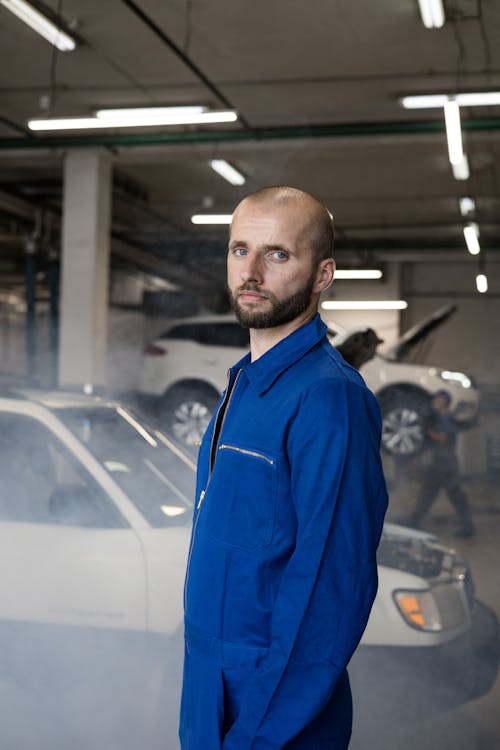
(324, 275)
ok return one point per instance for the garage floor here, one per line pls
(475, 725)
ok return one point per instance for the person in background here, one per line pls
(443, 473)
(282, 571)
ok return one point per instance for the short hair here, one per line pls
(319, 230)
(443, 394)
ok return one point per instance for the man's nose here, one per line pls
(252, 270)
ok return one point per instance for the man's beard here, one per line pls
(279, 313)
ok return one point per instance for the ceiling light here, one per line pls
(432, 13)
(227, 171)
(436, 101)
(471, 234)
(479, 99)
(397, 304)
(453, 131)
(481, 283)
(424, 101)
(140, 112)
(358, 273)
(144, 121)
(467, 206)
(211, 218)
(461, 171)
(41, 24)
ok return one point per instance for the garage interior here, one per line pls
(99, 249)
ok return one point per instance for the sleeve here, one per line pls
(328, 587)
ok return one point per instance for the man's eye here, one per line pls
(279, 255)
(240, 251)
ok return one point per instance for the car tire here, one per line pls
(404, 419)
(186, 412)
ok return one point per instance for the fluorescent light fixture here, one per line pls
(453, 131)
(358, 273)
(432, 13)
(467, 206)
(481, 283)
(211, 218)
(471, 234)
(144, 121)
(461, 171)
(41, 24)
(227, 171)
(68, 123)
(140, 112)
(424, 101)
(479, 99)
(436, 101)
(395, 304)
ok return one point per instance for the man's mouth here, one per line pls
(248, 295)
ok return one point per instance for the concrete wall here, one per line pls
(471, 339)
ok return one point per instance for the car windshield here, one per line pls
(154, 473)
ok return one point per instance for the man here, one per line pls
(443, 472)
(281, 573)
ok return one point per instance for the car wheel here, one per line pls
(187, 412)
(404, 419)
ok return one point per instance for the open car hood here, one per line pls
(419, 332)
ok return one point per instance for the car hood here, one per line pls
(418, 333)
(406, 549)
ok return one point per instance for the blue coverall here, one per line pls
(282, 570)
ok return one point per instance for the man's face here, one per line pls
(270, 272)
(440, 404)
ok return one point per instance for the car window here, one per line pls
(156, 476)
(187, 331)
(41, 481)
(211, 334)
(228, 334)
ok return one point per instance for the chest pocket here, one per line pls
(241, 500)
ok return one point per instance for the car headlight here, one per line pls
(418, 609)
(456, 377)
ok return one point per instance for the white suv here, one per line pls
(185, 369)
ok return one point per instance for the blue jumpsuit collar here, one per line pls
(266, 370)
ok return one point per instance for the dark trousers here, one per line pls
(442, 474)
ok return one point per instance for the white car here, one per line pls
(95, 511)
(185, 368)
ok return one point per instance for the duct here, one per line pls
(300, 132)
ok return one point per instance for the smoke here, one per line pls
(66, 687)
(90, 606)
(80, 667)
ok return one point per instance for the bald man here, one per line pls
(291, 497)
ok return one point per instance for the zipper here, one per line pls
(218, 427)
(246, 452)
(198, 506)
(213, 449)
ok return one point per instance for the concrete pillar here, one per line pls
(85, 268)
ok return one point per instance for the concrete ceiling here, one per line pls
(317, 90)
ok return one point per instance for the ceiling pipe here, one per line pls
(364, 129)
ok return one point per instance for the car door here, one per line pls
(67, 555)
(74, 652)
